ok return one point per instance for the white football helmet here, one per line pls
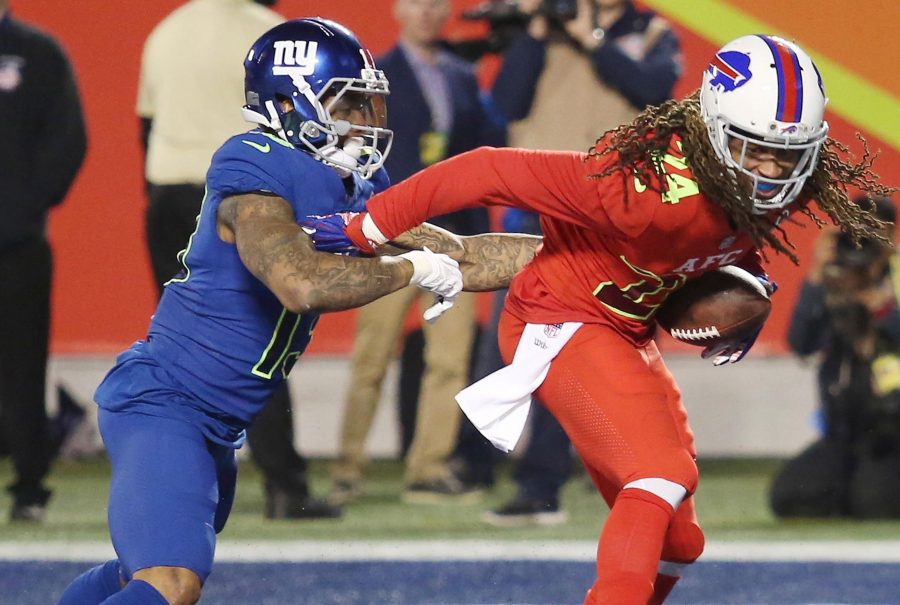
(766, 91)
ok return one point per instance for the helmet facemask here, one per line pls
(346, 146)
(351, 146)
(788, 187)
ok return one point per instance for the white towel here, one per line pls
(498, 404)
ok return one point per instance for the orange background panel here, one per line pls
(103, 294)
(860, 36)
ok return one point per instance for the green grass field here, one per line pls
(731, 503)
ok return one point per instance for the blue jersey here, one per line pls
(220, 341)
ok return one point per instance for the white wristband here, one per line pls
(372, 232)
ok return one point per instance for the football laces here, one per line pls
(695, 334)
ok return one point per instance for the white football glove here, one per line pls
(440, 305)
(437, 273)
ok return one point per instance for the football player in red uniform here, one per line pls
(687, 187)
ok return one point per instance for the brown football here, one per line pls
(718, 305)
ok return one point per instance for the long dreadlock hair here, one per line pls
(642, 143)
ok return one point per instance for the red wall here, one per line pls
(103, 294)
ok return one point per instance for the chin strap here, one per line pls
(338, 159)
(345, 157)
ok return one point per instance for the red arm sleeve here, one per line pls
(553, 184)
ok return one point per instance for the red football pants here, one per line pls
(622, 410)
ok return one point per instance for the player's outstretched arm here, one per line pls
(492, 259)
(488, 261)
(274, 248)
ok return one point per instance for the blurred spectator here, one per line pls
(604, 66)
(561, 83)
(847, 312)
(435, 112)
(186, 103)
(42, 146)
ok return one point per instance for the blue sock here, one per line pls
(137, 592)
(93, 586)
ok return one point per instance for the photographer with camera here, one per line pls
(847, 311)
(571, 74)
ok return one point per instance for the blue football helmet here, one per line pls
(307, 79)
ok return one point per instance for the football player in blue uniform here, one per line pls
(228, 328)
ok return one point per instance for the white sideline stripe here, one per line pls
(466, 550)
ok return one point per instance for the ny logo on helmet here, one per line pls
(730, 70)
(294, 58)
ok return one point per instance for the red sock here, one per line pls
(683, 545)
(630, 547)
(662, 587)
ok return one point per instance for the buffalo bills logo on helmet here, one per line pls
(730, 70)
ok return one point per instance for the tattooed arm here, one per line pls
(274, 248)
(491, 260)
(487, 262)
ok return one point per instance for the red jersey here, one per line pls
(613, 248)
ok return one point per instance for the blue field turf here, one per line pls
(486, 582)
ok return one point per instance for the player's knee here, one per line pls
(685, 472)
(177, 585)
(684, 542)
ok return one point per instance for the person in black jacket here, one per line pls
(847, 312)
(42, 146)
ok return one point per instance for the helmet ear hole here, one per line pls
(283, 100)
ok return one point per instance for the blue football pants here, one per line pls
(171, 492)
